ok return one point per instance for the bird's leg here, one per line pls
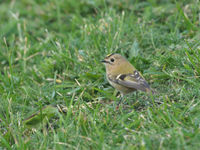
(120, 100)
(136, 95)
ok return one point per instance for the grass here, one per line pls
(50, 55)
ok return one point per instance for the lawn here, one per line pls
(50, 53)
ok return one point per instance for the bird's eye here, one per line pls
(112, 60)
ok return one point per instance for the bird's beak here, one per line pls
(104, 61)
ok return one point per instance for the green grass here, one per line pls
(44, 42)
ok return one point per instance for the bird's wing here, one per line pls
(133, 80)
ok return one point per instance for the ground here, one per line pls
(50, 53)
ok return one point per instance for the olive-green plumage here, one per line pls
(123, 76)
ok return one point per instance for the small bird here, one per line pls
(123, 76)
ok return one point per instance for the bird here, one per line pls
(123, 76)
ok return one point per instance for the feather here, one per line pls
(133, 81)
